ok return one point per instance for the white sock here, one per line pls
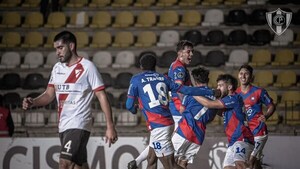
(143, 156)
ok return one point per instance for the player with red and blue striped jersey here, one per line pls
(254, 98)
(179, 74)
(190, 132)
(151, 89)
(240, 138)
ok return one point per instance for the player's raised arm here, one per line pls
(211, 104)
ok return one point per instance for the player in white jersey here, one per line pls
(74, 81)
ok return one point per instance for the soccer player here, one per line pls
(190, 132)
(151, 89)
(254, 97)
(74, 81)
(240, 137)
(179, 74)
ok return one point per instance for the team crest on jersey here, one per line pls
(180, 75)
(77, 72)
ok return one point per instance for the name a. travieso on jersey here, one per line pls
(151, 78)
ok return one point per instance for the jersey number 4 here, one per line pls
(161, 89)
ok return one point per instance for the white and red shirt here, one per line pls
(74, 87)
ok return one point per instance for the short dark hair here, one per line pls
(148, 62)
(200, 75)
(66, 37)
(181, 44)
(228, 79)
(247, 67)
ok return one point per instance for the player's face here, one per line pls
(223, 87)
(245, 77)
(185, 55)
(63, 51)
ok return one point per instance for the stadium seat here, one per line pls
(193, 36)
(234, 2)
(237, 58)
(126, 118)
(102, 59)
(211, 2)
(261, 57)
(292, 117)
(165, 60)
(121, 102)
(10, 39)
(33, 40)
(35, 118)
(257, 17)
(31, 3)
(77, 3)
(107, 79)
(10, 60)
(237, 37)
(121, 3)
(286, 78)
(82, 39)
(213, 75)
(51, 60)
(123, 19)
(168, 18)
(145, 19)
(10, 3)
(33, 20)
(123, 39)
(144, 3)
(289, 99)
(296, 18)
(17, 119)
(122, 80)
(284, 39)
(197, 59)
(10, 81)
(99, 3)
(78, 20)
(56, 20)
(274, 96)
(10, 20)
(236, 17)
(50, 39)
(264, 78)
(213, 17)
(215, 58)
(34, 81)
(283, 57)
(297, 40)
(12, 100)
(191, 18)
(99, 118)
(165, 3)
(101, 39)
(33, 60)
(297, 62)
(146, 39)
(52, 119)
(83, 54)
(260, 37)
(168, 38)
(257, 2)
(214, 37)
(124, 59)
(273, 120)
(189, 2)
(101, 19)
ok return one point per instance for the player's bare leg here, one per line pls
(151, 159)
(254, 163)
(182, 163)
(240, 165)
(169, 162)
(66, 164)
